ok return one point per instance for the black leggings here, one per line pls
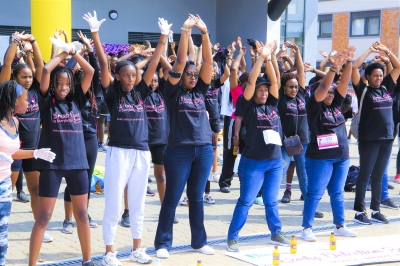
(20, 181)
(91, 146)
(374, 156)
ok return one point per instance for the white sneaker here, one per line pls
(140, 256)
(343, 231)
(110, 259)
(162, 253)
(208, 199)
(184, 202)
(213, 177)
(207, 250)
(47, 238)
(220, 159)
(308, 235)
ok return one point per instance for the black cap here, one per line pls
(261, 81)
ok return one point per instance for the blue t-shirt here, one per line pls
(29, 123)
(128, 125)
(187, 115)
(324, 120)
(62, 132)
(257, 118)
(156, 114)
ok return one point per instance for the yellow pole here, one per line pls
(46, 17)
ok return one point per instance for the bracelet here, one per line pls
(17, 41)
(313, 70)
(259, 57)
(390, 52)
(204, 32)
(23, 52)
(253, 57)
(162, 42)
(34, 40)
(268, 60)
(185, 29)
(349, 61)
(16, 58)
(73, 53)
(334, 70)
(387, 63)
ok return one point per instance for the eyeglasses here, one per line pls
(261, 91)
(331, 92)
(296, 87)
(129, 76)
(192, 75)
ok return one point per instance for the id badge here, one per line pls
(327, 141)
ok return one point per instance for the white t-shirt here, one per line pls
(226, 108)
(354, 103)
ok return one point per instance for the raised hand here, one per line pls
(293, 46)
(283, 48)
(239, 42)
(274, 46)
(66, 47)
(252, 52)
(337, 59)
(148, 44)
(84, 39)
(190, 21)
(216, 46)
(173, 44)
(136, 49)
(200, 25)
(351, 52)
(94, 24)
(264, 50)
(164, 26)
(233, 47)
(323, 53)
(27, 46)
(307, 67)
(380, 47)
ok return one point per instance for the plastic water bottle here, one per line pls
(170, 38)
(332, 242)
(158, 263)
(199, 263)
(293, 245)
(98, 187)
(276, 257)
(235, 150)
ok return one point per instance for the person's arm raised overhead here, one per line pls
(346, 74)
(324, 61)
(299, 65)
(181, 56)
(206, 67)
(164, 28)
(395, 72)
(94, 25)
(242, 60)
(309, 68)
(355, 75)
(192, 50)
(234, 69)
(336, 61)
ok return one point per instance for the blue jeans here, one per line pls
(322, 174)
(252, 175)
(191, 165)
(5, 209)
(299, 161)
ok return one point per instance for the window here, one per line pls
(365, 23)
(292, 24)
(325, 26)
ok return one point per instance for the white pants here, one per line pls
(124, 166)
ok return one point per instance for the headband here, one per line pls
(19, 89)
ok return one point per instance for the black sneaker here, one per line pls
(286, 196)
(378, 217)
(390, 186)
(388, 204)
(225, 190)
(22, 197)
(176, 220)
(361, 218)
(125, 220)
(318, 214)
(89, 263)
(302, 198)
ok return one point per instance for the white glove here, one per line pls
(66, 47)
(44, 154)
(5, 158)
(163, 25)
(94, 24)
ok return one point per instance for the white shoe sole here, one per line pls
(278, 243)
(309, 240)
(232, 250)
(358, 221)
(379, 221)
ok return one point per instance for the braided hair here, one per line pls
(117, 83)
(8, 97)
(53, 81)
(90, 92)
(18, 67)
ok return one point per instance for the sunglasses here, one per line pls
(192, 75)
(296, 87)
(331, 92)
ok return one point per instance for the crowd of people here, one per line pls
(168, 110)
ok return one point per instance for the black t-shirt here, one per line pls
(128, 125)
(29, 123)
(212, 105)
(239, 106)
(89, 116)
(257, 118)
(324, 120)
(156, 113)
(376, 121)
(360, 87)
(62, 132)
(187, 116)
(293, 112)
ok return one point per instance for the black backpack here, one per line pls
(351, 179)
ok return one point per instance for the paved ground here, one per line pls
(217, 219)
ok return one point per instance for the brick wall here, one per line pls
(390, 29)
(340, 38)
